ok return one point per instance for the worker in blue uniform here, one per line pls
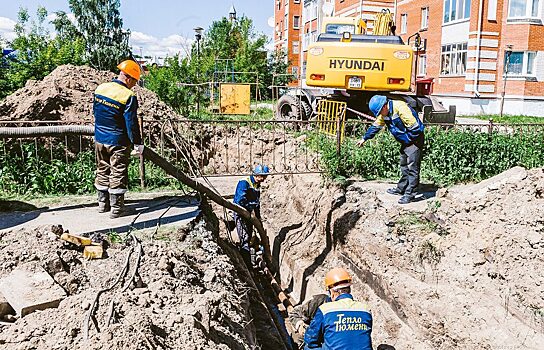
(248, 196)
(116, 130)
(342, 323)
(406, 127)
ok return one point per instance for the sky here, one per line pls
(158, 27)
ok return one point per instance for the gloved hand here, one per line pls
(301, 327)
(138, 150)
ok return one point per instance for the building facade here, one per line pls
(481, 55)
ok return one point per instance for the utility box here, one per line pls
(424, 86)
(235, 98)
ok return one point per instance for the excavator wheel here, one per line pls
(292, 108)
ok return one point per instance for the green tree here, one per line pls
(37, 54)
(101, 26)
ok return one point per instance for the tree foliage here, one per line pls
(101, 25)
(37, 52)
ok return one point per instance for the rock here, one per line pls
(28, 291)
(5, 307)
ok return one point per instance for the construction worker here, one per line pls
(303, 314)
(342, 324)
(116, 129)
(247, 195)
(405, 125)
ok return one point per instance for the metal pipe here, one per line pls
(478, 40)
(38, 131)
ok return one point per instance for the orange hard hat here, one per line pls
(337, 276)
(131, 68)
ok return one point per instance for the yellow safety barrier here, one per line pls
(331, 115)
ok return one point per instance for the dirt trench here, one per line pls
(462, 270)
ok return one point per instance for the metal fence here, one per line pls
(232, 147)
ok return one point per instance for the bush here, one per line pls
(26, 170)
(449, 157)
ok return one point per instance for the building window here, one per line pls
(296, 47)
(294, 71)
(296, 22)
(522, 8)
(403, 23)
(424, 18)
(422, 65)
(457, 10)
(296, 1)
(521, 63)
(314, 36)
(453, 59)
(279, 4)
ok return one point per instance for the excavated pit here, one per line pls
(462, 270)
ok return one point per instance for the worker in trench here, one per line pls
(248, 196)
(404, 124)
(339, 323)
(116, 129)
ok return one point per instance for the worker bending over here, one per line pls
(342, 324)
(248, 196)
(115, 129)
(405, 125)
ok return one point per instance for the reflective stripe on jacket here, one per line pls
(402, 121)
(248, 195)
(343, 324)
(115, 115)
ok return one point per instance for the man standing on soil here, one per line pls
(342, 324)
(405, 125)
(248, 196)
(116, 129)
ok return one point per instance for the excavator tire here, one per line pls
(289, 108)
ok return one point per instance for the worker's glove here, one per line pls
(138, 150)
(361, 142)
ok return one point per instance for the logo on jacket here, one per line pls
(344, 324)
(357, 64)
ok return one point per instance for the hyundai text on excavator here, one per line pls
(347, 64)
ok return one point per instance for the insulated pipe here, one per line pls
(478, 39)
(38, 131)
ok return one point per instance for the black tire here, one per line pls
(288, 108)
(307, 109)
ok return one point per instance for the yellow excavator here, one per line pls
(351, 65)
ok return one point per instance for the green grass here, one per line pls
(509, 119)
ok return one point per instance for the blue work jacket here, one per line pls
(248, 195)
(343, 324)
(115, 115)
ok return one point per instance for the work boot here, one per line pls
(103, 201)
(405, 199)
(394, 191)
(117, 202)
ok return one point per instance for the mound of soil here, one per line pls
(462, 270)
(67, 94)
(189, 296)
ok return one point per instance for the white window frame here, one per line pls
(404, 23)
(425, 17)
(459, 5)
(528, 10)
(296, 45)
(313, 36)
(296, 1)
(457, 57)
(524, 65)
(294, 71)
(422, 65)
(296, 24)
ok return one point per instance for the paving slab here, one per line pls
(81, 219)
(28, 291)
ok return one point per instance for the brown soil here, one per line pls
(67, 94)
(461, 271)
(191, 296)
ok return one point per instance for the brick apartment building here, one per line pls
(464, 48)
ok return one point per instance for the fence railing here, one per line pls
(228, 147)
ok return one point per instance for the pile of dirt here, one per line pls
(189, 295)
(67, 94)
(462, 270)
